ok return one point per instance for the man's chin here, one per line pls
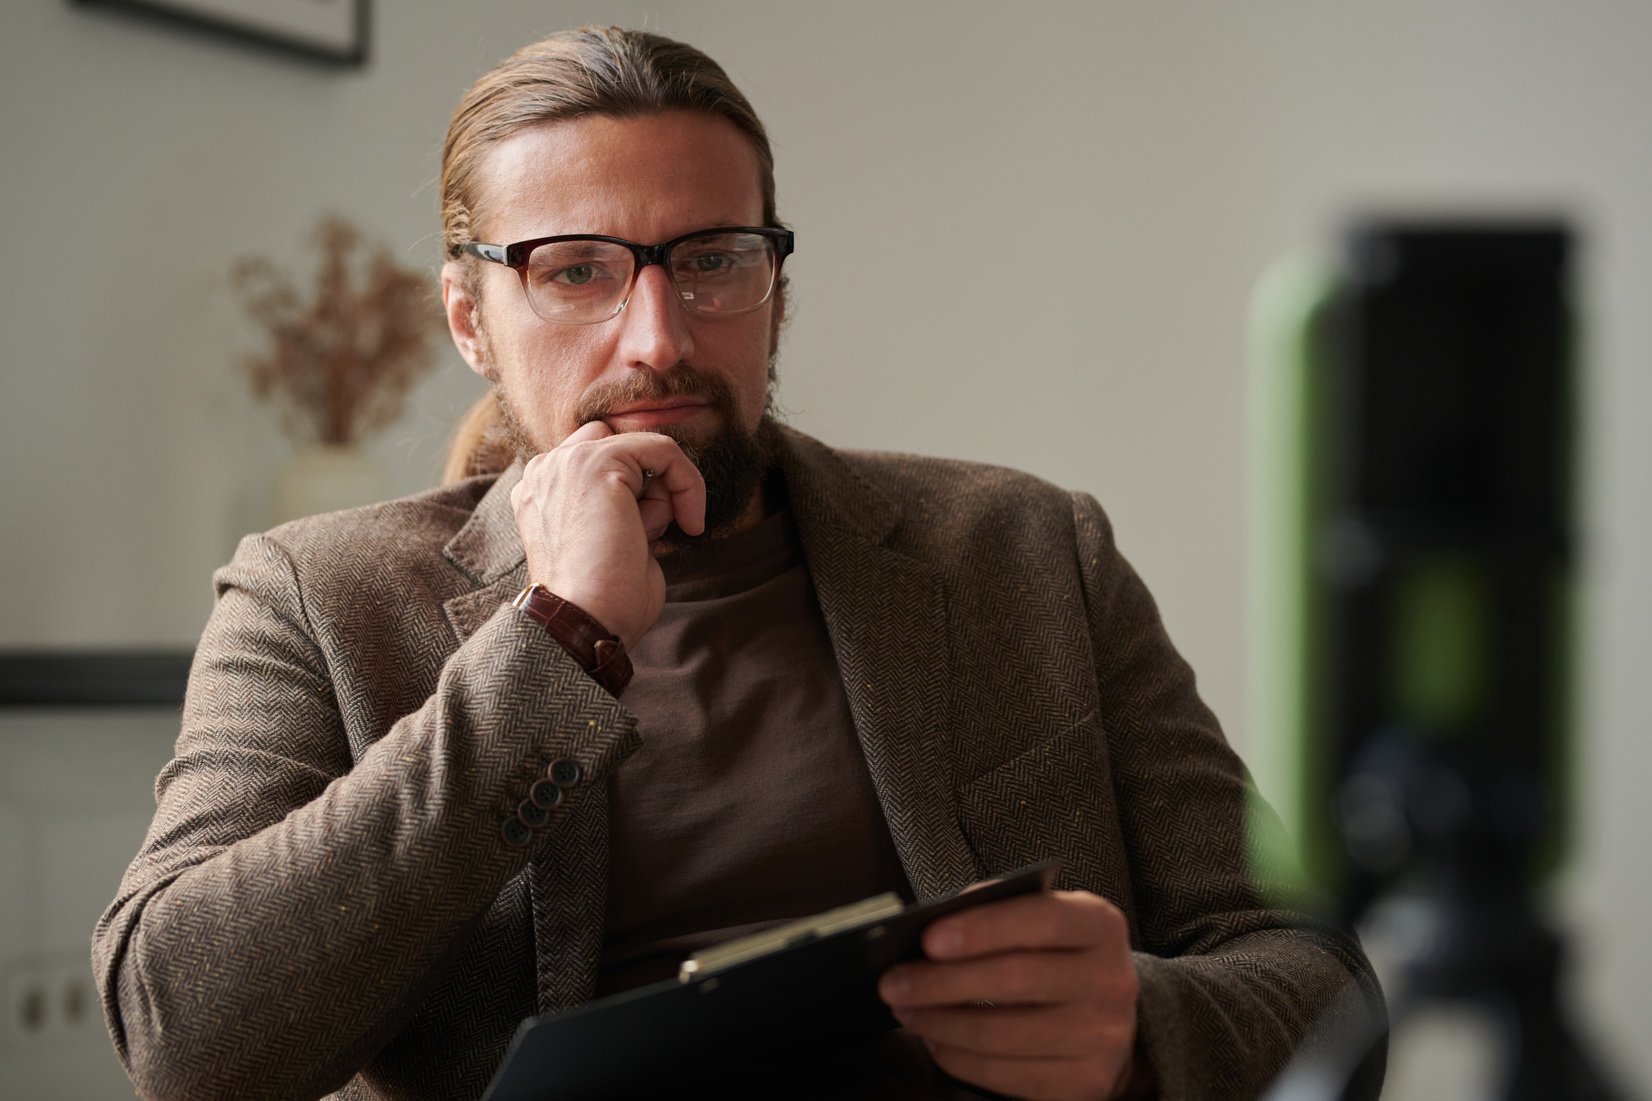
(693, 438)
(732, 459)
(733, 463)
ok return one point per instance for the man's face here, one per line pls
(654, 366)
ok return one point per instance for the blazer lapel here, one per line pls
(488, 551)
(567, 879)
(886, 615)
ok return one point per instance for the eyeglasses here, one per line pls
(584, 278)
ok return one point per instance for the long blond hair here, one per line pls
(481, 444)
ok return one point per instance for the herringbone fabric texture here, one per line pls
(325, 901)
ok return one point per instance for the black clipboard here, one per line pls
(814, 989)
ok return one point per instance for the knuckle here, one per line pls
(1101, 910)
(1097, 1032)
(913, 979)
(1118, 1039)
(929, 987)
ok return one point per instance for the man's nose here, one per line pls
(655, 335)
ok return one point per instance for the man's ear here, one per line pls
(464, 318)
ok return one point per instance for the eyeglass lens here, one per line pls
(714, 273)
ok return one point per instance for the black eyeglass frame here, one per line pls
(515, 256)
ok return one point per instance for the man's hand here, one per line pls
(1034, 997)
(588, 511)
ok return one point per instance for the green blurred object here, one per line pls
(1440, 646)
(1286, 645)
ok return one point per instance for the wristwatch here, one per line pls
(599, 653)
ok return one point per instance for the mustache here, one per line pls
(680, 381)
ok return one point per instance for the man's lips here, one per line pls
(658, 411)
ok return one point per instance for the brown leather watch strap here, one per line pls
(598, 652)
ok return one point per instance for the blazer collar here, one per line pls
(830, 495)
(487, 547)
(488, 551)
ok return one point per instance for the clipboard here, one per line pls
(785, 996)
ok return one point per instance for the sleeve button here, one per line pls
(516, 833)
(530, 815)
(545, 795)
(565, 772)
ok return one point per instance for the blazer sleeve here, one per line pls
(1231, 987)
(289, 904)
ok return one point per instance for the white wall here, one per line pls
(1139, 163)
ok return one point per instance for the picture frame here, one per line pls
(333, 32)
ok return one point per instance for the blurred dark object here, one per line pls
(1439, 563)
(95, 678)
(1446, 553)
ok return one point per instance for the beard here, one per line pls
(733, 460)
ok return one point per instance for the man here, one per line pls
(744, 677)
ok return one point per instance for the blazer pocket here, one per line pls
(1050, 800)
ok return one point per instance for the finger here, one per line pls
(1017, 1031)
(673, 479)
(590, 430)
(537, 465)
(1047, 919)
(657, 515)
(1033, 1079)
(1012, 978)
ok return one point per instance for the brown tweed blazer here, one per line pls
(325, 901)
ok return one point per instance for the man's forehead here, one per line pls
(597, 173)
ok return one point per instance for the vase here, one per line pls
(325, 478)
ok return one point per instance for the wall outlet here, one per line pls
(47, 1000)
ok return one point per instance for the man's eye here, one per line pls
(576, 275)
(709, 263)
